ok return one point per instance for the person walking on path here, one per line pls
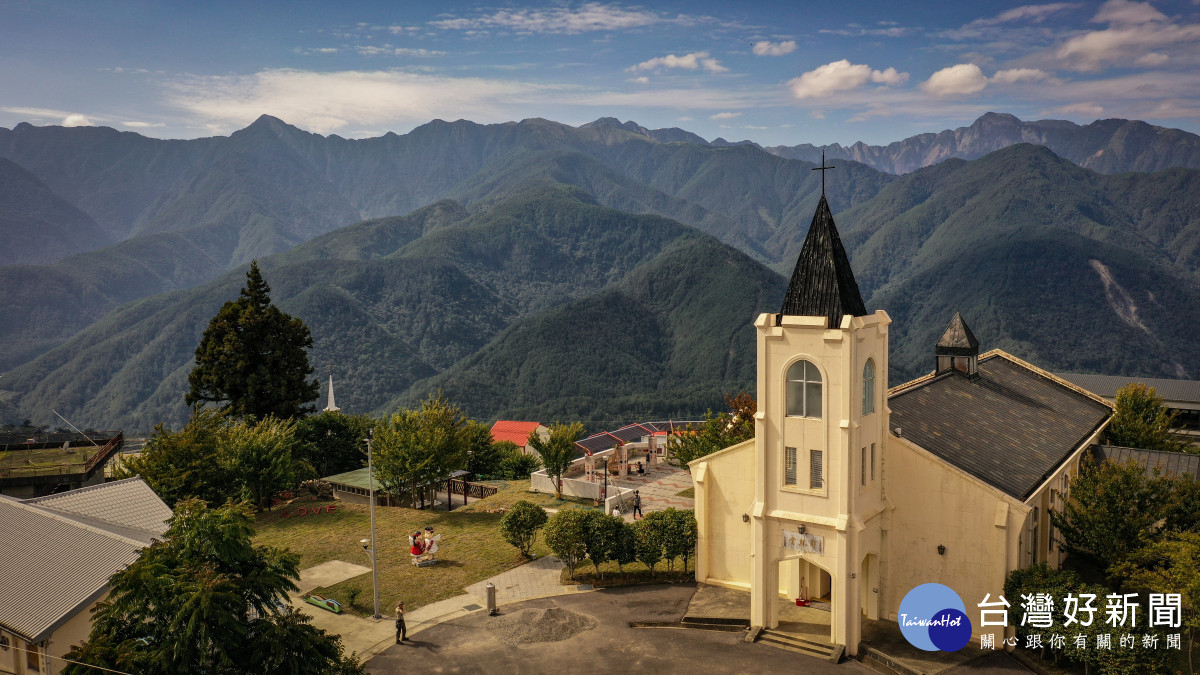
(401, 629)
(637, 505)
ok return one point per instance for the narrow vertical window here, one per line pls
(863, 466)
(868, 388)
(872, 462)
(789, 466)
(803, 390)
(816, 466)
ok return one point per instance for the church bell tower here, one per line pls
(819, 437)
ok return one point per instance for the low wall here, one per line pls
(618, 497)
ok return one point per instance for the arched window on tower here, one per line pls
(804, 390)
(868, 388)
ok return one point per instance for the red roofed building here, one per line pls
(518, 433)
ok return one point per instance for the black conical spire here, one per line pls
(823, 283)
(957, 340)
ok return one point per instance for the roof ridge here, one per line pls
(86, 488)
(55, 515)
(1046, 374)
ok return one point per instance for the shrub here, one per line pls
(520, 525)
(564, 534)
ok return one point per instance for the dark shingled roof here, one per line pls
(1168, 463)
(823, 283)
(1011, 427)
(958, 340)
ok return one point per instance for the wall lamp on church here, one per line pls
(745, 517)
(802, 528)
(941, 549)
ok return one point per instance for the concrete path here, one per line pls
(328, 574)
(659, 488)
(535, 579)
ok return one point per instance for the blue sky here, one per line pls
(777, 73)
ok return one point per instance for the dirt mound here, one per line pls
(539, 625)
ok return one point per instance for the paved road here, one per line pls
(464, 645)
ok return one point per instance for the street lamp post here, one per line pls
(374, 542)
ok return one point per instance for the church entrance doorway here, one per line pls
(805, 599)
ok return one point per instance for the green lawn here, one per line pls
(46, 460)
(690, 493)
(471, 550)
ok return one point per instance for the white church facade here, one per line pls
(856, 493)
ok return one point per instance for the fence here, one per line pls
(618, 497)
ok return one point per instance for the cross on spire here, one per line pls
(823, 169)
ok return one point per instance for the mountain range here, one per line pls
(602, 272)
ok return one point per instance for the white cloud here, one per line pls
(1086, 108)
(325, 102)
(64, 118)
(817, 114)
(687, 62)
(1152, 60)
(133, 124)
(858, 31)
(685, 118)
(964, 78)
(323, 50)
(388, 50)
(1014, 75)
(1033, 13)
(640, 80)
(725, 116)
(590, 17)
(768, 48)
(1124, 12)
(841, 76)
(77, 120)
(1137, 33)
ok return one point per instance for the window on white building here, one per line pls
(816, 469)
(868, 401)
(804, 390)
(789, 466)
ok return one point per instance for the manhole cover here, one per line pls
(471, 608)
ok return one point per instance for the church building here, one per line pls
(856, 493)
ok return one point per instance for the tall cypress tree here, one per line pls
(252, 359)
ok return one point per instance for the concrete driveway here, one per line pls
(463, 645)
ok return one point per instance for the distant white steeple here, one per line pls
(332, 407)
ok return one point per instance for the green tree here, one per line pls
(625, 549)
(417, 448)
(681, 535)
(252, 359)
(258, 458)
(517, 465)
(206, 600)
(1142, 421)
(717, 432)
(520, 525)
(1171, 565)
(564, 534)
(558, 451)
(182, 464)
(650, 535)
(485, 457)
(601, 535)
(1110, 509)
(1183, 504)
(333, 442)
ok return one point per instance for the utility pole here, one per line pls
(374, 542)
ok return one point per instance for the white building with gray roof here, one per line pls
(59, 553)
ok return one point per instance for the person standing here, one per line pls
(637, 505)
(401, 629)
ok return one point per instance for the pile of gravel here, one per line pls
(539, 625)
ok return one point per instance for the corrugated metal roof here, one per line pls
(52, 567)
(1177, 463)
(358, 479)
(823, 283)
(1177, 391)
(128, 503)
(1009, 427)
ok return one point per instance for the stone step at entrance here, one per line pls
(800, 645)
